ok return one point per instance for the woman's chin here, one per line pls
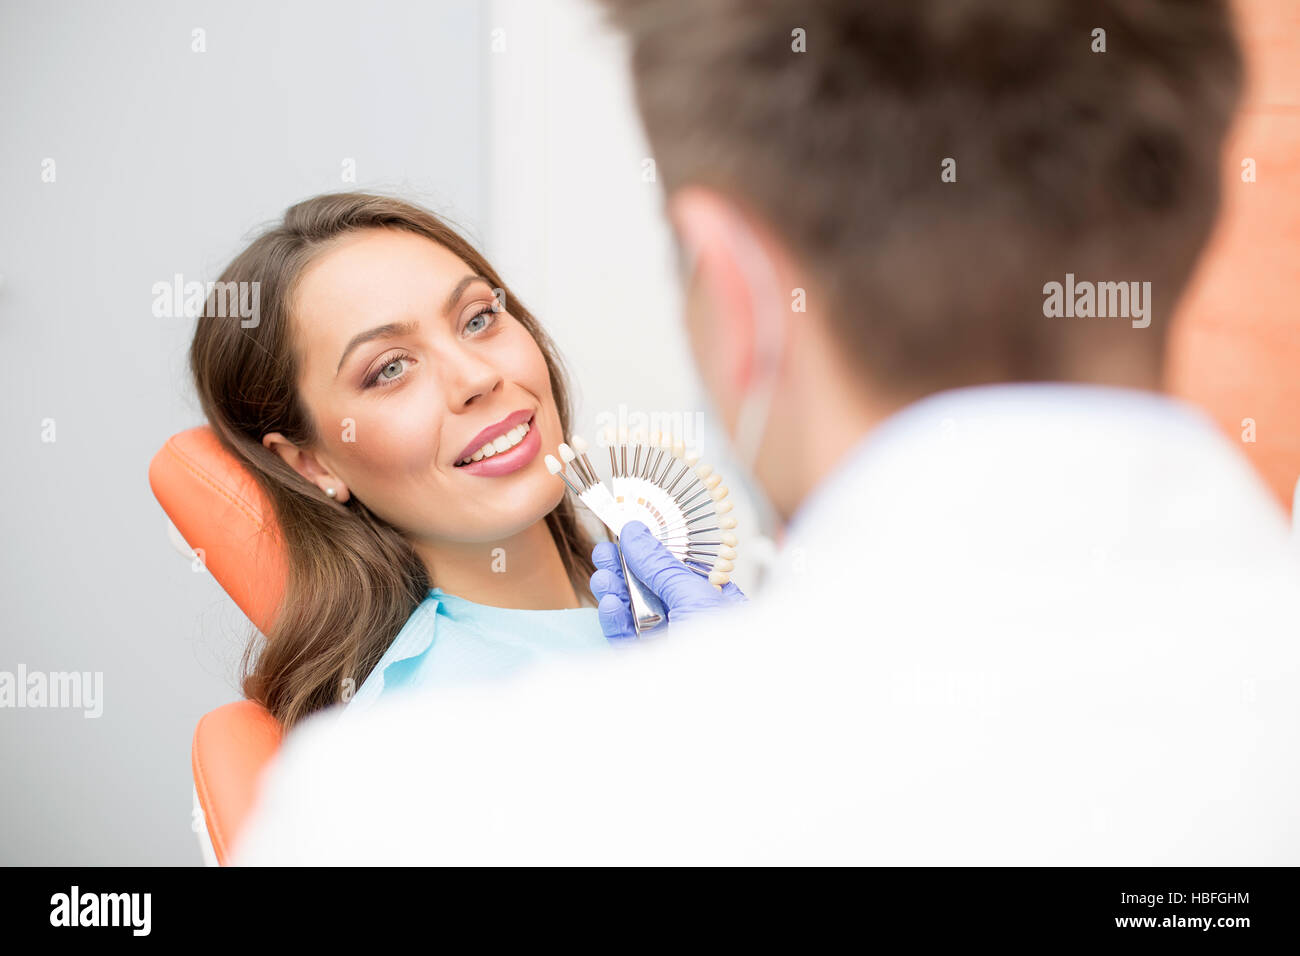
(523, 516)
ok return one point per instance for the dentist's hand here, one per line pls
(684, 593)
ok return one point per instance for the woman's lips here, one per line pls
(510, 460)
(491, 432)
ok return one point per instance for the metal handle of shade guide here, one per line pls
(647, 611)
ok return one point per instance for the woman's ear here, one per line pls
(306, 464)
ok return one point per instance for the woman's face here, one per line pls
(407, 371)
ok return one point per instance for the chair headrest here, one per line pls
(222, 514)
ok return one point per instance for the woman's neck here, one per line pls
(524, 571)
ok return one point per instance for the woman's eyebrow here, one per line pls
(456, 292)
(378, 332)
(404, 328)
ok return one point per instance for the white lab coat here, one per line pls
(1027, 624)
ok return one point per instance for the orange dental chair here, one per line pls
(226, 521)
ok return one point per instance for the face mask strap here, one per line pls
(755, 407)
(756, 404)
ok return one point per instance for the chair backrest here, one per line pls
(1235, 349)
(232, 746)
(223, 515)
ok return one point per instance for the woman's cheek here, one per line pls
(529, 370)
(397, 443)
(521, 358)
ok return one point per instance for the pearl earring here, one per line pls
(330, 492)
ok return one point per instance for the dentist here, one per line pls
(1028, 610)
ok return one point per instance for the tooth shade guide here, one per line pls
(573, 456)
(655, 481)
(555, 468)
(579, 445)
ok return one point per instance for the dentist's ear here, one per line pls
(720, 310)
(305, 464)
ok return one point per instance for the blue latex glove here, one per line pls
(683, 592)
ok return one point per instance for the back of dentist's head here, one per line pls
(887, 191)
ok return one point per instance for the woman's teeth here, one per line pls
(499, 444)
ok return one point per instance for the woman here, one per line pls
(395, 402)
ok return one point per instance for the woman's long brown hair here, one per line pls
(353, 579)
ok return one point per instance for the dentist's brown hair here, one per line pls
(835, 121)
(353, 579)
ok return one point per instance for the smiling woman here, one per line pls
(391, 402)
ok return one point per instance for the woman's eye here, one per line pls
(386, 373)
(481, 321)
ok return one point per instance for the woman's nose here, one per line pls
(470, 378)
